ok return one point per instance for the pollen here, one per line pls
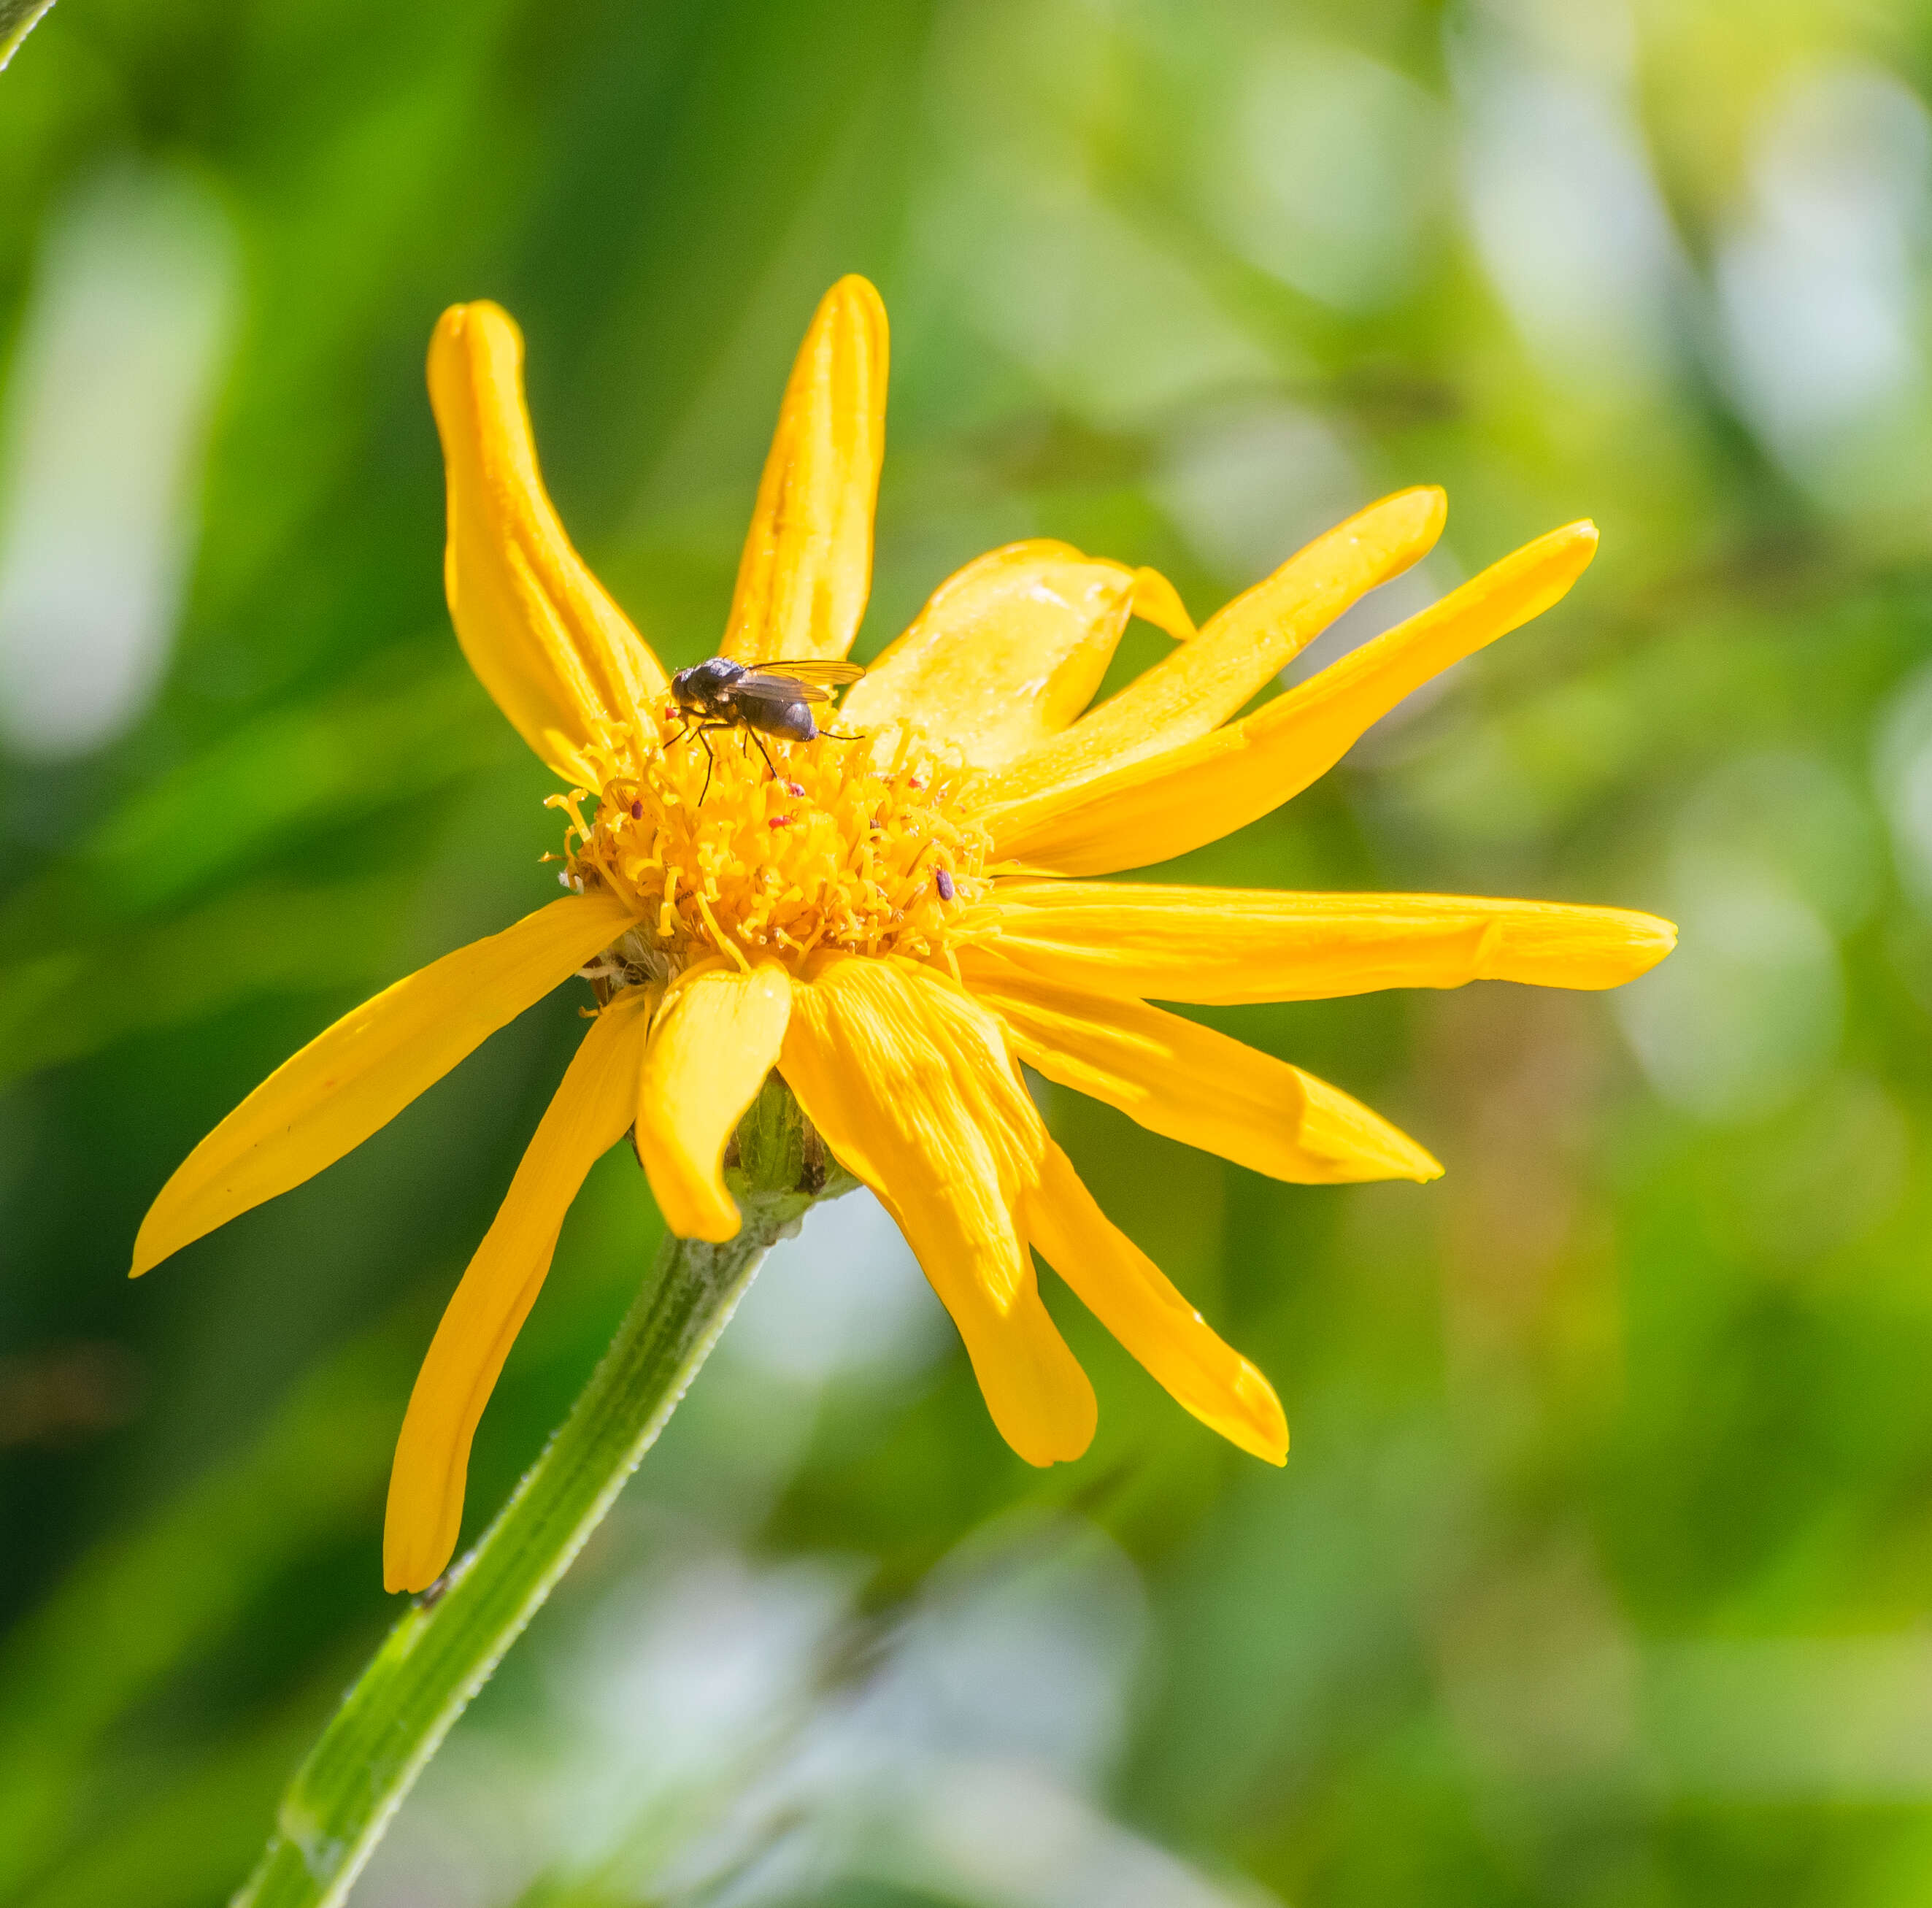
(862, 846)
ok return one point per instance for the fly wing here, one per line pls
(815, 669)
(807, 679)
(812, 669)
(759, 692)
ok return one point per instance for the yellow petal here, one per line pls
(1207, 680)
(547, 643)
(362, 1072)
(588, 1116)
(1007, 653)
(710, 1052)
(910, 1086)
(1194, 1084)
(1162, 806)
(1129, 1293)
(807, 568)
(1220, 946)
(1157, 601)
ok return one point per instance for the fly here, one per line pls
(763, 698)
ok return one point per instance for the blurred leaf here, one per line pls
(271, 939)
(184, 1843)
(162, 1592)
(289, 774)
(398, 735)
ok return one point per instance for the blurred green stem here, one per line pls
(18, 18)
(443, 1651)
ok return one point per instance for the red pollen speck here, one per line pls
(637, 811)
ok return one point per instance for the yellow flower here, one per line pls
(893, 922)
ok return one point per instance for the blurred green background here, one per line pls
(1601, 1572)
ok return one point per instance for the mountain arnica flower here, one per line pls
(898, 915)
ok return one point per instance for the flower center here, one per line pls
(861, 846)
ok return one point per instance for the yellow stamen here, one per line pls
(721, 939)
(856, 847)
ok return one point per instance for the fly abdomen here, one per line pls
(791, 720)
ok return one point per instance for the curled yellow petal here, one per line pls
(1007, 653)
(1208, 679)
(587, 1116)
(547, 642)
(1221, 946)
(1194, 1084)
(710, 1052)
(909, 1084)
(1129, 1295)
(807, 568)
(360, 1073)
(1162, 806)
(1157, 601)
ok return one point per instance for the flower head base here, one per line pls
(892, 922)
(859, 847)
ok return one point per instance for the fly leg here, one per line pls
(703, 729)
(695, 726)
(763, 750)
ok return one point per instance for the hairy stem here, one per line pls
(442, 1652)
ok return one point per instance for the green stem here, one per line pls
(442, 1653)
